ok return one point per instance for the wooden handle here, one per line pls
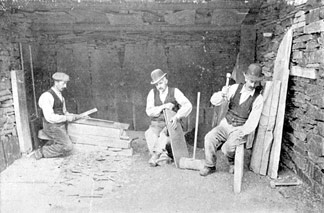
(196, 127)
(89, 112)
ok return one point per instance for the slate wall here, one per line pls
(303, 139)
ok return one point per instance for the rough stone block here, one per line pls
(314, 27)
(318, 175)
(300, 13)
(310, 169)
(320, 128)
(321, 13)
(312, 90)
(125, 19)
(316, 56)
(185, 17)
(303, 38)
(298, 25)
(315, 144)
(303, 72)
(299, 45)
(312, 16)
(300, 135)
(297, 54)
(319, 115)
(300, 18)
(318, 101)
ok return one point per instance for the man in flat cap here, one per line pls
(55, 117)
(159, 98)
(242, 117)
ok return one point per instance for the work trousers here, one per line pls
(224, 135)
(60, 144)
(156, 137)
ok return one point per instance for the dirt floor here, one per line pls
(92, 180)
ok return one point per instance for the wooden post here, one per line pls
(21, 113)
(238, 168)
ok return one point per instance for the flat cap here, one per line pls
(60, 76)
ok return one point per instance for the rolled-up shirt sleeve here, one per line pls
(254, 117)
(185, 104)
(217, 98)
(46, 103)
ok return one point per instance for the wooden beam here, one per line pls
(21, 113)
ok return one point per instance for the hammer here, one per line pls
(273, 183)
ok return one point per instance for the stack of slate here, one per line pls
(104, 133)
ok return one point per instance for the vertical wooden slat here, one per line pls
(21, 113)
(238, 168)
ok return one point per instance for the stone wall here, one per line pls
(303, 139)
(110, 50)
(9, 60)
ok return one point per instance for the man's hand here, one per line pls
(70, 118)
(239, 135)
(173, 122)
(168, 106)
(225, 91)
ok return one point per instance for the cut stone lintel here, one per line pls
(102, 6)
(303, 72)
(59, 28)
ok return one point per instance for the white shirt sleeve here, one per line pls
(46, 103)
(254, 117)
(217, 98)
(185, 104)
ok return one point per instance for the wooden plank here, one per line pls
(268, 139)
(262, 128)
(82, 129)
(178, 142)
(102, 123)
(100, 141)
(21, 113)
(238, 168)
(281, 73)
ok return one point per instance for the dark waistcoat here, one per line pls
(169, 99)
(237, 114)
(57, 106)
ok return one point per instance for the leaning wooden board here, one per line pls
(266, 126)
(281, 73)
(178, 142)
(21, 112)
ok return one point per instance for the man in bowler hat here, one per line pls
(55, 116)
(242, 117)
(159, 98)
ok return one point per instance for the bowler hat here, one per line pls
(157, 76)
(60, 76)
(254, 72)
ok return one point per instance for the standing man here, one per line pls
(242, 117)
(55, 117)
(160, 98)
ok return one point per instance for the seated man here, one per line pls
(158, 99)
(242, 117)
(55, 117)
